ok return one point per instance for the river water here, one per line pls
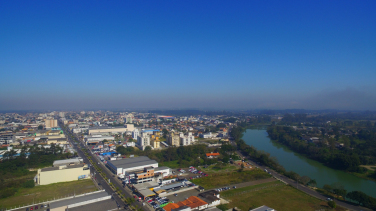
(292, 161)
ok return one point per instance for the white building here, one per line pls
(135, 134)
(143, 141)
(186, 140)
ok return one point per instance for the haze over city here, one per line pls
(188, 54)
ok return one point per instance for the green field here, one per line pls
(41, 193)
(216, 169)
(275, 195)
(172, 164)
(222, 179)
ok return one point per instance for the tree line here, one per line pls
(343, 159)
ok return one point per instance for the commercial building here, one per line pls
(111, 130)
(62, 173)
(125, 166)
(73, 161)
(93, 139)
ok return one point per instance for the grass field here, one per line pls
(222, 179)
(172, 164)
(41, 193)
(275, 195)
(214, 169)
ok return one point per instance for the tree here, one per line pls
(328, 188)
(305, 180)
(40, 127)
(312, 183)
(332, 204)
(147, 149)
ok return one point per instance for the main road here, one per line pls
(98, 177)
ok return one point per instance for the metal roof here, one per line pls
(76, 200)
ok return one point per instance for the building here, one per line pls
(155, 142)
(211, 197)
(73, 161)
(97, 138)
(63, 173)
(212, 155)
(173, 139)
(135, 134)
(49, 123)
(143, 141)
(129, 119)
(186, 140)
(110, 130)
(194, 203)
(125, 166)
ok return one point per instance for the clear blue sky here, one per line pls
(188, 54)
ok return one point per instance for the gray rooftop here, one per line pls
(175, 185)
(132, 162)
(57, 168)
(263, 208)
(66, 161)
(79, 199)
(108, 204)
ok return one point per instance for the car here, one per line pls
(329, 199)
(234, 187)
(175, 194)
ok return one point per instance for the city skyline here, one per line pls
(168, 54)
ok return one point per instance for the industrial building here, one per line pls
(111, 130)
(62, 173)
(72, 161)
(94, 139)
(125, 166)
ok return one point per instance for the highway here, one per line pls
(117, 183)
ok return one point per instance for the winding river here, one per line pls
(292, 161)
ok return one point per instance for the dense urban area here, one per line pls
(180, 160)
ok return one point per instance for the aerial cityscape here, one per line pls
(188, 105)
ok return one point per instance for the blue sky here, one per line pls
(188, 54)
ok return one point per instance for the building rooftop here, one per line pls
(57, 168)
(78, 199)
(66, 161)
(133, 162)
(108, 204)
(263, 208)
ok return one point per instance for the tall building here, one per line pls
(129, 119)
(49, 123)
(135, 134)
(173, 139)
(143, 141)
(186, 140)
(61, 114)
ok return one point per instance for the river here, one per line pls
(292, 161)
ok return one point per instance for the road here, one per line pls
(300, 186)
(117, 183)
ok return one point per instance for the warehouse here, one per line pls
(125, 166)
(66, 173)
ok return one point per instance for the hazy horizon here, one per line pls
(57, 55)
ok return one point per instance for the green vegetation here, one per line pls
(273, 194)
(345, 158)
(223, 179)
(172, 164)
(219, 167)
(15, 173)
(42, 193)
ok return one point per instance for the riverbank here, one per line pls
(321, 154)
